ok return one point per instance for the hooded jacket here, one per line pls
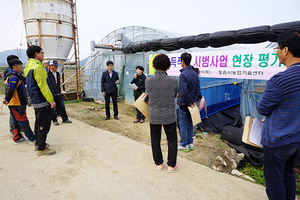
(38, 84)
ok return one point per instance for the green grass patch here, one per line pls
(75, 101)
(255, 172)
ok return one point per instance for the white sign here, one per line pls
(241, 64)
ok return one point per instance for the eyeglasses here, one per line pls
(42, 52)
(276, 48)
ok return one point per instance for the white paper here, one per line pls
(133, 86)
(255, 133)
(195, 114)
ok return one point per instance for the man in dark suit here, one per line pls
(54, 78)
(109, 81)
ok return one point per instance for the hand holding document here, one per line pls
(133, 86)
(195, 114)
(255, 133)
(252, 132)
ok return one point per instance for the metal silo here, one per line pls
(49, 24)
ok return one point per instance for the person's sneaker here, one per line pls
(107, 118)
(20, 140)
(136, 121)
(142, 121)
(36, 146)
(191, 146)
(67, 121)
(116, 117)
(159, 167)
(32, 142)
(171, 169)
(56, 123)
(47, 151)
(182, 148)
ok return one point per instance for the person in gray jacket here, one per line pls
(162, 91)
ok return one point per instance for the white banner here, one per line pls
(241, 64)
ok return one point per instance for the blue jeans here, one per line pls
(186, 128)
(279, 171)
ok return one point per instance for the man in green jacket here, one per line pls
(41, 94)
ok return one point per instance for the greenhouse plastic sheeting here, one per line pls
(202, 40)
(219, 93)
(252, 35)
(169, 44)
(248, 104)
(186, 42)
(220, 38)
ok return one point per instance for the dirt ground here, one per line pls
(207, 147)
(91, 163)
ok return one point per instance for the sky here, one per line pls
(97, 18)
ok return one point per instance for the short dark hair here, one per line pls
(11, 57)
(14, 62)
(186, 57)
(290, 39)
(139, 67)
(161, 62)
(109, 62)
(32, 50)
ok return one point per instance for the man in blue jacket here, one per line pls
(281, 129)
(16, 100)
(109, 81)
(189, 94)
(8, 59)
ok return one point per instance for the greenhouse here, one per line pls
(125, 63)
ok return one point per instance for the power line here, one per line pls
(10, 27)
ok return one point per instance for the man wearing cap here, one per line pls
(54, 78)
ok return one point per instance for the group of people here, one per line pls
(109, 89)
(162, 91)
(43, 86)
(279, 103)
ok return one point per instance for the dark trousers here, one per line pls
(139, 115)
(20, 121)
(59, 108)
(42, 125)
(170, 130)
(115, 105)
(279, 171)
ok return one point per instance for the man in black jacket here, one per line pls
(54, 78)
(109, 81)
(139, 80)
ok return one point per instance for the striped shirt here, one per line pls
(281, 104)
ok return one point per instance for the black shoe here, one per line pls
(116, 117)
(107, 118)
